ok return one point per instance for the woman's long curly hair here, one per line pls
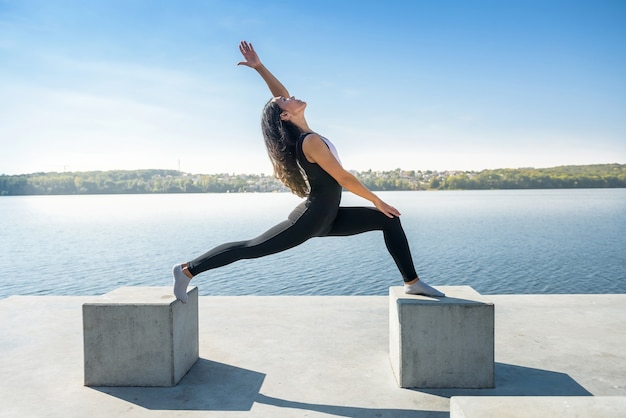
(280, 139)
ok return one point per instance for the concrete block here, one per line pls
(140, 336)
(537, 406)
(441, 342)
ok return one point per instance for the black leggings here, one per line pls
(304, 224)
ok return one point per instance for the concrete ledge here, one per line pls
(537, 406)
(140, 336)
(441, 342)
(254, 349)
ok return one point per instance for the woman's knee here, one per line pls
(392, 223)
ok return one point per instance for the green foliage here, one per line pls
(134, 182)
(171, 181)
(564, 177)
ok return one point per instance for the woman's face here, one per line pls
(290, 104)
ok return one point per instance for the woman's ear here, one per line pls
(285, 116)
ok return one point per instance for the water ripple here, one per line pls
(499, 242)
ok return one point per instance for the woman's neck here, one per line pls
(301, 124)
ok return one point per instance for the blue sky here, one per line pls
(439, 85)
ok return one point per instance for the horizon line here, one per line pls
(358, 171)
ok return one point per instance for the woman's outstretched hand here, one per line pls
(248, 52)
(252, 60)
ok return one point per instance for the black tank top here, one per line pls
(321, 183)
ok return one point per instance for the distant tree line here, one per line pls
(134, 182)
(172, 181)
(564, 177)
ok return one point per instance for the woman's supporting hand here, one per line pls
(251, 58)
(388, 210)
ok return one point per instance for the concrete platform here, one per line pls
(140, 336)
(538, 406)
(445, 342)
(308, 356)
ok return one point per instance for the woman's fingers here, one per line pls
(393, 212)
(388, 210)
(245, 47)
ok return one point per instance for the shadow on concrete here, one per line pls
(512, 380)
(208, 386)
(350, 411)
(213, 386)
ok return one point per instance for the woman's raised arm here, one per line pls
(252, 60)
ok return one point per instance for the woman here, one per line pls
(309, 165)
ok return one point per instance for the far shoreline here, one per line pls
(158, 181)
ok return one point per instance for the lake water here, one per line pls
(499, 242)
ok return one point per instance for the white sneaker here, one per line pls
(180, 283)
(421, 288)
